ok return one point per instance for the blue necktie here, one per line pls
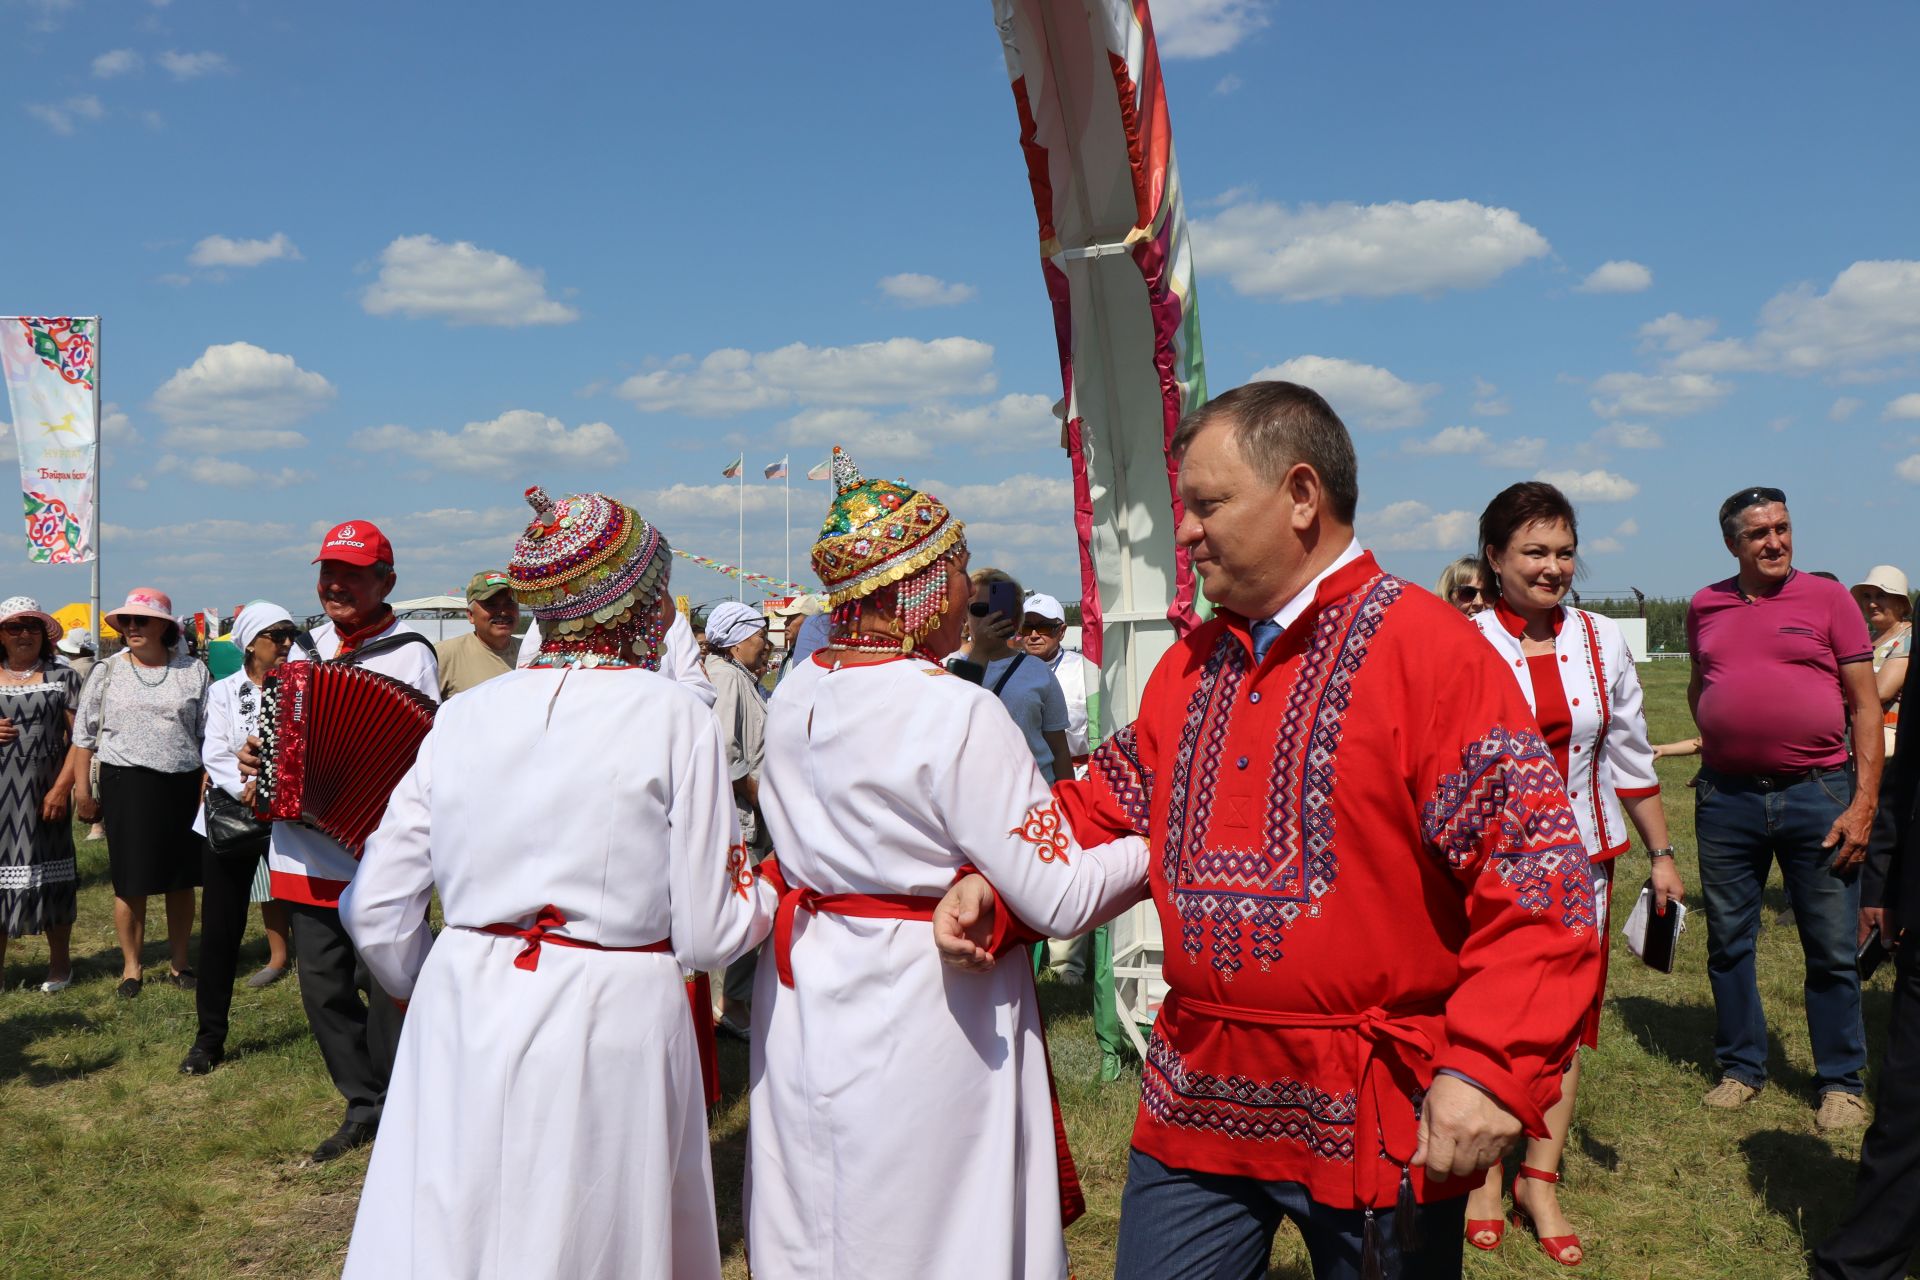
(1265, 632)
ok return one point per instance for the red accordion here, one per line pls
(335, 740)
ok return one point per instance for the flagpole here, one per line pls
(786, 481)
(739, 580)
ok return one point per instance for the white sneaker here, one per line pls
(50, 986)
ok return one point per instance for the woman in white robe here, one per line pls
(546, 1116)
(901, 1118)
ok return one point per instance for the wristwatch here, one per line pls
(1660, 853)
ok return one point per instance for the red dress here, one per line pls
(1366, 871)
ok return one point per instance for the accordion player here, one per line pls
(335, 740)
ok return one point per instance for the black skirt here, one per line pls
(151, 844)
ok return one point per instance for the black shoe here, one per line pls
(200, 1061)
(128, 988)
(348, 1136)
(185, 979)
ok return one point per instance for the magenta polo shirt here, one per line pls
(1770, 693)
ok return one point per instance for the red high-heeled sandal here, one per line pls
(1495, 1227)
(1553, 1246)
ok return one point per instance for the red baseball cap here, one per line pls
(355, 542)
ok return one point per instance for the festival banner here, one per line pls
(777, 470)
(49, 364)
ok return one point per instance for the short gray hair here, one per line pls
(1278, 425)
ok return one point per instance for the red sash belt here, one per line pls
(541, 932)
(867, 906)
(1386, 1041)
(908, 906)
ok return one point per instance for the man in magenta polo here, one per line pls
(356, 1025)
(1780, 670)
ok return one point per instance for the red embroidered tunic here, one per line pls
(1366, 870)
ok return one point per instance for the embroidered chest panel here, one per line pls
(1238, 889)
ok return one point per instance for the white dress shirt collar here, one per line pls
(1293, 608)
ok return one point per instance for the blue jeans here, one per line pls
(1212, 1226)
(1744, 824)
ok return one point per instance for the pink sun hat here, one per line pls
(143, 602)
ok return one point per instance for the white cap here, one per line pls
(1045, 606)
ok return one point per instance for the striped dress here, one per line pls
(37, 876)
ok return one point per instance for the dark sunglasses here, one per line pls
(23, 627)
(1464, 594)
(1758, 495)
(280, 635)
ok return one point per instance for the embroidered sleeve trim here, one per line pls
(1115, 764)
(1045, 829)
(1509, 803)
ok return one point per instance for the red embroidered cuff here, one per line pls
(1637, 793)
(1501, 1085)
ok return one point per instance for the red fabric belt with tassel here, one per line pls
(541, 932)
(1008, 934)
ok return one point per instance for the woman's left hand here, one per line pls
(54, 807)
(1667, 885)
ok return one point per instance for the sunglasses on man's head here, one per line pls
(1464, 594)
(1759, 495)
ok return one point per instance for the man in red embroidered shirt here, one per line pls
(1378, 910)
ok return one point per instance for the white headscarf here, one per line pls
(730, 622)
(254, 619)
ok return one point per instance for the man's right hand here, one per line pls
(248, 757)
(1463, 1131)
(1880, 918)
(963, 924)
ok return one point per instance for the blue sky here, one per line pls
(400, 262)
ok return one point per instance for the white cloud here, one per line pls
(1414, 526)
(1870, 312)
(226, 473)
(63, 117)
(177, 279)
(238, 396)
(1618, 276)
(463, 284)
(1522, 453)
(895, 371)
(1011, 497)
(1629, 528)
(1604, 546)
(1364, 394)
(910, 289)
(1675, 332)
(517, 442)
(1909, 469)
(1228, 84)
(1591, 486)
(1487, 401)
(219, 251)
(116, 62)
(1659, 395)
(1011, 422)
(191, 66)
(1904, 409)
(1843, 408)
(1451, 442)
(1266, 249)
(1204, 28)
(704, 501)
(1629, 435)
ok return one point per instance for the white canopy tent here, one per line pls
(435, 617)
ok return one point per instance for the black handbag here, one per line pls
(233, 831)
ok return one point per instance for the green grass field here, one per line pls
(116, 1166)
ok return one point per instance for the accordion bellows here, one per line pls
(335, 741)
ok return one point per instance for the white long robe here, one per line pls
(901, 1121)
(551, 1123)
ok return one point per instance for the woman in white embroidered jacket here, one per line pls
(884, 775)
(546, 1116)
(1575, 670)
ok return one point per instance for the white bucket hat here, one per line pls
(1882, 577)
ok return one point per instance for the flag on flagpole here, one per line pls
(733, 468)
(48, 364)
(777, 470)
(820, 472)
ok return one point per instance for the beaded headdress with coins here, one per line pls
(593, 572)
(883, 536)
